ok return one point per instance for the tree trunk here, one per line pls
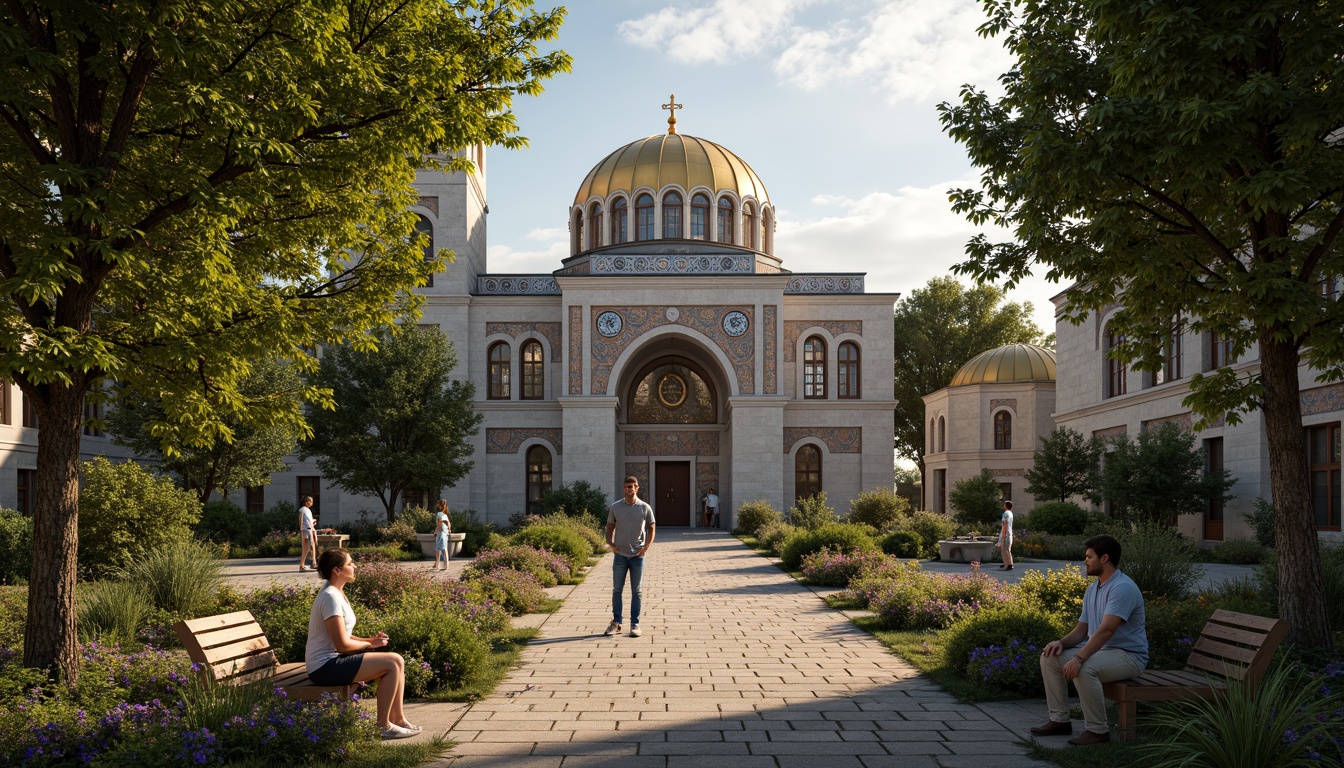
(1300, 591)
(49, 638)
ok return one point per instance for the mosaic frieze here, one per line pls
(769, 319)
(431, 202)
(517, 285)
(636, 321)
(1004, 402)
(1110, 432)
(576, 350)
(1323, 400)
(794, 328)
(638, 470)
(825, 284)
(706, 477)
(836, 439)
(671, 443)
(510, 440)
(671, 261)
(1181, 420)
(548, 331)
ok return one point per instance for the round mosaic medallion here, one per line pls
(608, 324)
(672, 390)
(672, 314)
(735, 323)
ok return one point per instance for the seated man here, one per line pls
(1116, 646)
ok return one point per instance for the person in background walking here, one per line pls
(629, 533)
(711, 508)
(1006, 536)
(443, 525)
(307, 535)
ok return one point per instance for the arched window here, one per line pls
(644, 217)
(725, 221)
(933, 436)
(847, 371)
(620, 221)
(807, 472)
(423, 226)
(699, 217)
(499, 371)
(814, 368)
(749, 226)
(672, 216)
(538, 477)
(1116, 370)
(1003, 431)
(767, 231)
(595, 225)
(577, 229)
(942, 434)
(534, 376)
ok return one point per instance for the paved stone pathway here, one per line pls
(739, 666)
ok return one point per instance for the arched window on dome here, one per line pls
(767, 231)
(749, 226)
(595, 225)
(847, 372)
(577, 229)
(423, 226)
(724, 233)
(644, 217)
(806, 472)
(534, 371)
(814, 368)
(672, 216)
(499, 371)
(699, 217)
(620, 221)
(1003, 431)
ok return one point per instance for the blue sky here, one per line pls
(832, 102)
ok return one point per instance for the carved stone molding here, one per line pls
(1323, 399)
(769, 318)
(510, 440)
(1109, 432)
(1006, 402)
(576, 350)
(836, 439)
(1182, 420)
(825, 284)
(708, 320)
(671, 443)
(517, 285)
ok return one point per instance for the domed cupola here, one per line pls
(1009, 363)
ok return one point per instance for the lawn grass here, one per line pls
(1112, 754)
(505, 649)
(376, 755)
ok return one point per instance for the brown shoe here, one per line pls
(1088, 738)
(1054, 728)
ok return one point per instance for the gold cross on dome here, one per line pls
(672, 106)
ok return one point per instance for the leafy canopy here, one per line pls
(126, 513)
(1160, 476)
(977, 501)
(1066, 465)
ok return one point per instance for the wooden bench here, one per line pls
(1231, 647)
(231, 649)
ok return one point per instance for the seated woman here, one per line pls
(336, 657)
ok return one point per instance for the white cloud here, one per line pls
(553, 246)
(718, 32)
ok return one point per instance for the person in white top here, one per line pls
(1006, 536)
(334, 656)
(711, 508)
(443, 526)
(307, 534)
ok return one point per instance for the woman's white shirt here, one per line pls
(320, 649)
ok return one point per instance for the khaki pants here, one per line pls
(1102, 667)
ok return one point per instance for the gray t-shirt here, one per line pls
(1119, 596)
(632, 525)
(320, 649)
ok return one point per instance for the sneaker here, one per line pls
(634, 631)
(612, 629)
(394, 731)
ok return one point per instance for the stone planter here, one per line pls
(966, 550)
(427, 543)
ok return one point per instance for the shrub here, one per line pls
(575, 499)
(547, 568)
(1261, 521)
(555, 539)
(1158, 559)
(752, 516)
(517, 592)
(1055, 591)
(932, 528)
(125, 513)
(812, 512)
(479, 604)
(467, 522)
(999, 626)
(13, 617)
(225, 521)
(1014, 667)
(282, 516)
(880, 507)
(1237, 552)
(1063, 518)
(1332, 583)
(915, 599)
(827, 568)
(773, 536)
(455, 653)
(398, 533)
(586, 525)
(902, 544)
(379, 582)
(182, 578)
(16, 547)
(278, 544)
(113, 611)
(283, 614)
(840, 537)
(977, 500)
(1173, 627)
(1048, 546)
(419, 518)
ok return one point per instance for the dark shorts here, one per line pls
(339, 671)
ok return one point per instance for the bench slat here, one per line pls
(1250, 620)
(1214, 666)
(225, 654)
(207, 624)
(1209, 647)
(232, 649)
(230, 635)
(1248, 637)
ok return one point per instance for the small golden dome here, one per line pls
(1009, 363)
(672, 158)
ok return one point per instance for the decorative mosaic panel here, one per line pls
(576, 350)
(431, 202)
(707, 320)
(1106, 434)
(640, 471)
(517, 285)
(836, 439)
(577, 268)
(706, 477)
(1006, 402)
(549, 331)
(671, 443)
(825, 284)
(794, 328)
(769, 320)
(1181, 420)
(510, 440)
(1323, 400)
(1008, 472)
(672, 261)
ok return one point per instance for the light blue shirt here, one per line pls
(1119, 596)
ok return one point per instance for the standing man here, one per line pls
(711, 508)
(307, 534)
(1116, 646)
(1006, 536)
(629, 533)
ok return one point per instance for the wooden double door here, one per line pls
(672, 502)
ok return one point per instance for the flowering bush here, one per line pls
(909, 598)
(278, 544)
(379, 582)
(517, 592)
(283, 614)
(999, 625)
(548, 569)
(455, 653)
(477, 606)
(1057, 591)
(560, 540)
(830, 568)
(1014, 667)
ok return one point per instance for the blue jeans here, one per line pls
(621, 566)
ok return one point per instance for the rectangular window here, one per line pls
(1116, 370)
(29, 413)
(1323, 454)
(256, 500)
(27, 498)
(1006, 491)
(4, 402)
(1213, 516)
(92, 411)
(940, 491)
(310, 485)
(1220, 351)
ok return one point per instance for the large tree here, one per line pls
(1066, 465)
(1160, 476)
(1185, 158)
(399, 421)
(938, 329)
(183, 185)
(253, 452)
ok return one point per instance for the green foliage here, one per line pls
(455, 653)
(1160, 476)
(282, 516)
(1159, 559)
(938, 329)
(1013, 667)
(838, 537)
(278, 544)
(1173, 626)
(466, 521)
(906, 597)
(773, 535)
(125, 513)
(283, 614)
(547, 569)
(225, 521)
(902, 544)
(1237, 552)
(1261, 521)
(16, 547)
(576, 498)
(558, 540)
(586, 525)
(113, 611)
(13, 616)
(880, 508)
(977, 501)
(399, 422)
(1057, 592)
(1061, 518)
(1000, 625)
(812, 512)
(517, 592)
(181, 578)
(420, 519)
(752, 516)
(1332, 583)
(931, 528)
(1049, 546)
(1066, 465)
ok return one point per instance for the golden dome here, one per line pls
(672, 158)
(1009, 363)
